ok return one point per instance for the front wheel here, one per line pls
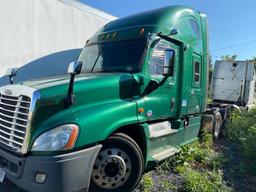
(119, 165)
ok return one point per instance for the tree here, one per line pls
(228, 57)
(253, 60)
(210, 62)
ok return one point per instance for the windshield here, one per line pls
(122, 56)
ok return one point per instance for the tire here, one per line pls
(119, 165)
(217, 124)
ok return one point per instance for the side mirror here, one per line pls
(169, 60)
(75, 67)
(11, 72)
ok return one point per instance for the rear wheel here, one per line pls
(119, 165)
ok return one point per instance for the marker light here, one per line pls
(114, 34)
(108, 36)
(142, 31)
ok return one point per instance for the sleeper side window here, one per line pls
(196, 70)
(195, 28)
(156, 63)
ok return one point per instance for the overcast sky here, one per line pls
(232, 23)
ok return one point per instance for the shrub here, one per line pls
(242, 128)
(147, 183)
(203, 180)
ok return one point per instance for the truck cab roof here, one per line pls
(162, 20)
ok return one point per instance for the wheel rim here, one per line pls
(112, 168)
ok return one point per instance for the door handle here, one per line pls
(172, 104)
(171, 84)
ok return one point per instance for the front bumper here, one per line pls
(65, 173)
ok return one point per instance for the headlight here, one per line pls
(60, 138)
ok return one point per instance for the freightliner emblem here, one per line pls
(8, 91)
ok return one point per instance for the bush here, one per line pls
(147, 183)
(242, 128)
(203, 180)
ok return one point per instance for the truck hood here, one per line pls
(57, 80)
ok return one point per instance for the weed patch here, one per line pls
(242, 129)
(198, 167)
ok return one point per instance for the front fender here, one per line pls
(96, 121)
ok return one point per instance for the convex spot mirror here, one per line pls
(75, 67)
(169, 60)
(11, 72)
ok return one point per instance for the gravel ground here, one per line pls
(233, 170)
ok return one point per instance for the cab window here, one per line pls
(156, 64)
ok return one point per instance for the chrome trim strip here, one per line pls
(11, 117)
(12, 105)
(11, 140)
(5, 127)
(9, 145)
(7, 99)
(16, 112)
(24, 126)
(6, 133)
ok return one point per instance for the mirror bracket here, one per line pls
(74, 69)
(152, 86)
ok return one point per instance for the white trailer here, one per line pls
(232, 88)
(233, 82)
(52, 30)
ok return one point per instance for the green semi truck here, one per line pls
(136, 94)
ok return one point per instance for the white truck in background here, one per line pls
(42, 37)
(233, 82)
(232, 88)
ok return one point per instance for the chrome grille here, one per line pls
(14, 117)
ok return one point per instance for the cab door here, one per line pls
(162, 103)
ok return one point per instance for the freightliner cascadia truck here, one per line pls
(136, 94)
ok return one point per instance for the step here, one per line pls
(161, 129)
(165, 154)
